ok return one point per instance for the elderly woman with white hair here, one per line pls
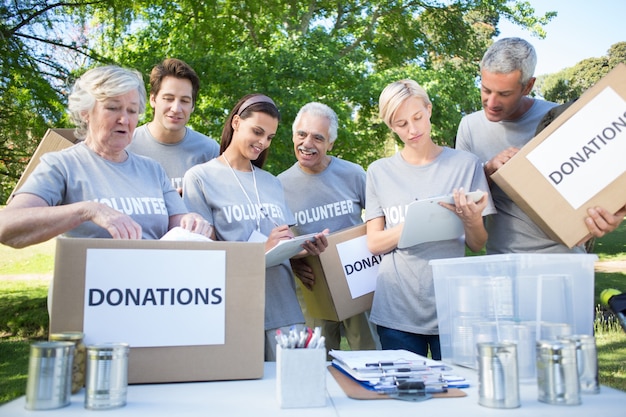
(96, 188)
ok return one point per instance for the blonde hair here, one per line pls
(397, 93)
(98, 84)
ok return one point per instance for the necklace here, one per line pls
(256, 190)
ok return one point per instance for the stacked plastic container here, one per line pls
(512, 297)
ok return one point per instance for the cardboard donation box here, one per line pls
(575, 163)
(190, 311)
(53, 140)
(345, 276)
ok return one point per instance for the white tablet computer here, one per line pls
(286, 248)
(427, 221)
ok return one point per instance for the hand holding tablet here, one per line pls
(428, 221)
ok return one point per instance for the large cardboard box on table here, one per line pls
(345, 276)
(191, 311)
(575, 163)
(53, 140)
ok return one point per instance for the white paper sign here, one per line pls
(152, 297)
(360, 266)
(586, 153)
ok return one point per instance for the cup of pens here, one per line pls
(301, 369)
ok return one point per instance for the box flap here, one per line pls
(53, 140)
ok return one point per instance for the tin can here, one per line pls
(107, 376)
(557, 372)
(78, 362)
(49, 375)
(587, 360)
(498, 384)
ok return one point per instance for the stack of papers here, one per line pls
(384, 370)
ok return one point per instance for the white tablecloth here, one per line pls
(258, 398)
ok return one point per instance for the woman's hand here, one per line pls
(277, 234)
(197, 224)
(118, 224)
(471, 214)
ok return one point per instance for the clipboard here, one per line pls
(357, 391)
(286, 248)
(427, 221)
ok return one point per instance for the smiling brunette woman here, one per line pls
(247, 203)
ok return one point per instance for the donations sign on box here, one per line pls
(144, 291)
(345, 276)
(188, 310)
(575, 163)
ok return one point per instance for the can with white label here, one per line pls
(49, 375)
(107, 376)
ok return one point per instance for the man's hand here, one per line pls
(500, 159)
(303, 271)
(318, 245)
(600, 221)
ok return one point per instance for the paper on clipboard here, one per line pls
(285, 249)
(427, 221)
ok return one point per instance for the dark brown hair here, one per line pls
(172, 67)
(266, 106)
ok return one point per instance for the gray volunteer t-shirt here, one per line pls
(332, 199)
(510, 230)
(138, 187)
(212, 190)
(176, 158)
(405, 297)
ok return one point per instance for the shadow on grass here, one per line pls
(13, 364)
(25, 318)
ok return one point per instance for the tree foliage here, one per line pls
(39, 48)
(570, 83)
(341, 53)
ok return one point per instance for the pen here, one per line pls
(262, 209)
(394, 363)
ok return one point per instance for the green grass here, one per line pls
(24, 318)
(611, 343)
(612, 247)
(13, 369)
(37, 259)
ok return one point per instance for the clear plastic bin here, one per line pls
(511, 296)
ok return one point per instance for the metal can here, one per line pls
(557, 372)
(498, 384)
(587, 360)
(107, 376)
(49, 375)
(78, 362)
